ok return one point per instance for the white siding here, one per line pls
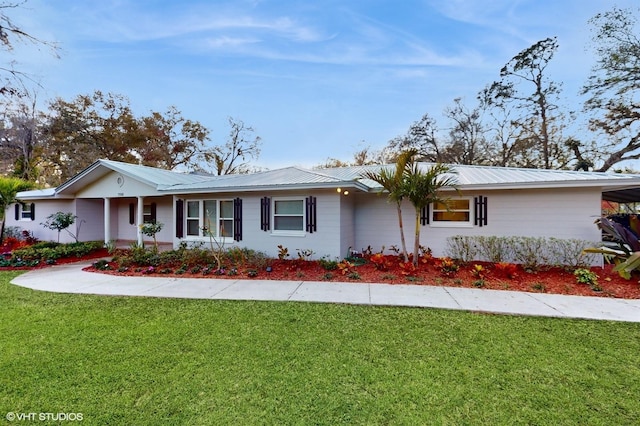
(347, 225)
(115, 185)
(567, 213)
(43, 208)
(325, 242)
(90, 220)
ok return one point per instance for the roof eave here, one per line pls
(263, 188)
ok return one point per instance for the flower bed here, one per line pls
(378, 268)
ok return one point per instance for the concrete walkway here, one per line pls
(72, 279)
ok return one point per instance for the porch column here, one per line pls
(107, 221)
(140, 220)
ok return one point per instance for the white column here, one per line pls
(107, 221)
(140, 219)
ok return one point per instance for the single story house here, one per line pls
(327, 211)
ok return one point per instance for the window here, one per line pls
(455, 212)
(147, 216)
(26, 212)
(193, 218)
(288, 215)
(210, 217)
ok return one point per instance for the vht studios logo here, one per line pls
(53, 417)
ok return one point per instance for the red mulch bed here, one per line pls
(546, 280)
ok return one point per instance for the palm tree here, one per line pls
(392, 181)
(423, 188)
(9, 188)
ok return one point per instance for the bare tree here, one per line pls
(468, 144)
(540, 122)
(20, 137)
(422, 137)
(13, 82)
(233, 156)
(614, 86)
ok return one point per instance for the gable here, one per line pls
(115, 184)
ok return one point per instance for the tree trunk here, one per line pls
(404, 244)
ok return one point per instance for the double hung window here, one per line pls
(213, 218)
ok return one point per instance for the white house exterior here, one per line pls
(328, 211)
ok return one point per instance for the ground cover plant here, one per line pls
(47, 253)
(149, 361)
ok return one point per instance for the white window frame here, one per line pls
(452, 224)
(201, 219)
(289, 232)
(25, 208)
(146, 213)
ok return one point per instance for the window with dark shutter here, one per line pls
(265, 213)
(311, 214)
(132, 213)
(237, 219)
(480, 211)
(17, 210)
(179, 218)
(33, 211)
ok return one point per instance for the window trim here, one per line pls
(289, 232)
(201, 219)
(453, 224)
(21, 211)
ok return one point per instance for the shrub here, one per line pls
(495, 249)
(150, 229)
(448, 267)
(505, 269)
(380, 261)
(461, 247)
(327, 264)
(61, 221)
(283, 252)
(586, 276)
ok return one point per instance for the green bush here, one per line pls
(328, 264)
(52, 251)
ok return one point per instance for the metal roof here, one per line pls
(495, 177)
(615, 186)
(151, 176)
(286, 178)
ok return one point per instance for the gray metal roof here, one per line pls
(152, 176)
(502, 177)
(617, 186)
(289, 177)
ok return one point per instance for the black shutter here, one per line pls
(33, 211)
(265, 213)
(311, 213)
(17, 211)
(424, 215)
(132, 213)
(480, 210)
(237, 219)
(154, 212)
(179, 218)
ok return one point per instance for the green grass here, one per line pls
(124, 360)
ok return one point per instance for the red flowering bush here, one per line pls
(508, 270)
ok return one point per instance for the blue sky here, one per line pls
(314, 78)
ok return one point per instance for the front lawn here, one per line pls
(126, 360)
